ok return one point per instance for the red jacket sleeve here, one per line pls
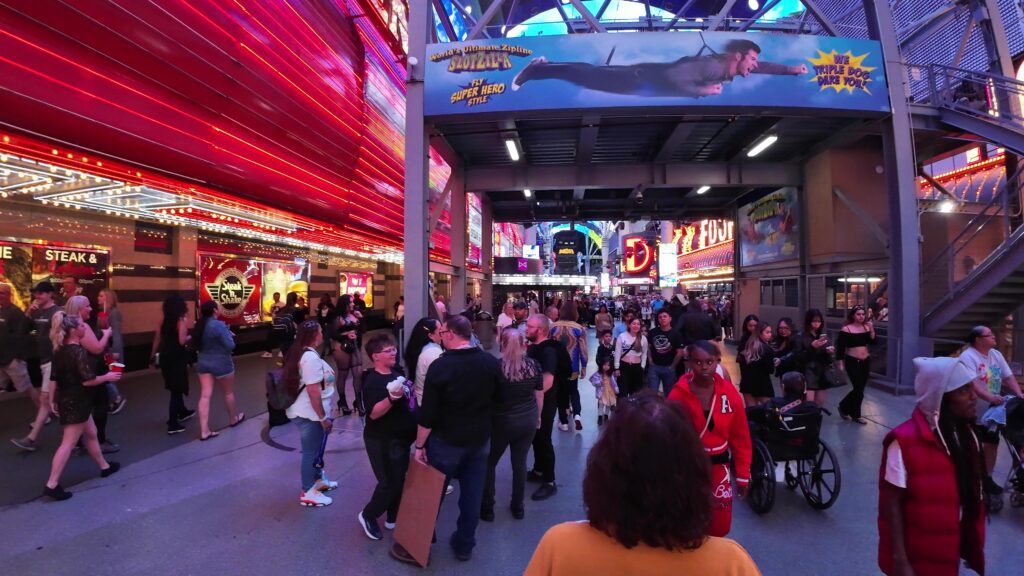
(739, 439)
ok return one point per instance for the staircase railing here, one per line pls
(991, 97)
(943, 274)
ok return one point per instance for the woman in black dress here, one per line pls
(345, 345)
(170, 355)
(757, 362)
(72, 399)
(816, 356)
(787, 347)
(747, 328)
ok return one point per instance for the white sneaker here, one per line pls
(448, 491)
(389, 525)
(324, 485)
(267, 355)
(314, 497)
(563, 427)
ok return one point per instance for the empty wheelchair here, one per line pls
(790, 434)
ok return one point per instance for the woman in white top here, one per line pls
(506, 318)
(312, 381)
(631, 358)
(423, 348)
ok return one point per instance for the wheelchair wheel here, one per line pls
(762, 479)
(1016, 499)
(820, 478)
(993, 503)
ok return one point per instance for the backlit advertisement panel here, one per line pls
(666, 69)
(234, 284)
(667, 265)
(283, 277)
(23, 265)
(769, 228)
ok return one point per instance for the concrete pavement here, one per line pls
(230, 505)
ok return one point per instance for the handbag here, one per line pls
(834, 378)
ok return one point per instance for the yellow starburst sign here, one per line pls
(841, 71)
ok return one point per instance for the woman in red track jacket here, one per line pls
(717, 410)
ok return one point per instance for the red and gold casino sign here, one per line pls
(638, 258)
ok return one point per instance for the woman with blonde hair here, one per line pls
(515, 419)
(95, 342)
(110, 317)
(72, 397)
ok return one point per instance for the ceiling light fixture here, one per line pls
(703, 189)
(527, 193)
(513, 150)
(762, 145)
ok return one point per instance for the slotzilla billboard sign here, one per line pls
(668, 69)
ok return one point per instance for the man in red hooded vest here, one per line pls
(930, 509)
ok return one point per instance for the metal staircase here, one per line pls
(958, 293)
(987, 105)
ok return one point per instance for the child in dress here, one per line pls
(605, 389)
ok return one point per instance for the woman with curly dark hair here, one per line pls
(643, 509)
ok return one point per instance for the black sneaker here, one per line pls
(518, 513)
(186, 415)
(57, 493)
(114, 467)
(534, 476)
(175, 428)
(546, 490)
(487, 513)
(370, 527)
(461, 556)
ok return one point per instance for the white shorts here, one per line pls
(47, 384)
(17, 373)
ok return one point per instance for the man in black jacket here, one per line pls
(454, 432)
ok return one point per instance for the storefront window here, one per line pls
(857, 289)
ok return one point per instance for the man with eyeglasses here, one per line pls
(993, 378)
(454, 434)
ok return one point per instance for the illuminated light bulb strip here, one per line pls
(74, 199)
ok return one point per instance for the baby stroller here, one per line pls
(785, 434)
(1013, 433)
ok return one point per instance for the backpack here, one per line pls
(278, 397)
(283, 326)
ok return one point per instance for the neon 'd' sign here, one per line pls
(637, 255)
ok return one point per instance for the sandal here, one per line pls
(211, 435)
(238, 419)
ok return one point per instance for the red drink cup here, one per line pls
(117, 367)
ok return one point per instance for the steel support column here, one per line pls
(458, 240)
(417, 147)
(905, 341)
(487, 254)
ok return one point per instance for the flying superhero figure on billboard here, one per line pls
(694, 76)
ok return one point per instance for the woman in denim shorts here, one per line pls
(213, 340)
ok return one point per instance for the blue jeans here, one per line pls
(661, 376)
(312, 434)
(469, 465)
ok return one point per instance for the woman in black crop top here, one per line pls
(853, 357)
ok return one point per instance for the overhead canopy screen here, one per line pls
(713, 69)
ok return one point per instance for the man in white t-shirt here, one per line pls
(993, 378)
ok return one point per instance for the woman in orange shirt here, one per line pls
(646, 514)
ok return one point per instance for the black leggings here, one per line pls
(632, 379)
(859, 371)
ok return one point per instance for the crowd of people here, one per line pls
(660, 388)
